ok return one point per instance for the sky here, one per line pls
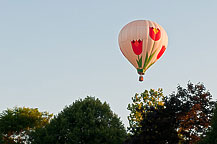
(55, 52)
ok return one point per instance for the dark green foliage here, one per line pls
(1, 138)
(158, 127)
(211, 135)
(86, 121)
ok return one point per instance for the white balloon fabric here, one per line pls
(142, 42)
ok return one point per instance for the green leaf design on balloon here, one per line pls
(148, 59)
(139, 62)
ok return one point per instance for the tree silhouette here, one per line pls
(17, 123)
(194, 110)
(183, 117)
(211, 135)
(86, 121)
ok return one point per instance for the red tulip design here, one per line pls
(137, 46)
(161, 52)
(154, 33)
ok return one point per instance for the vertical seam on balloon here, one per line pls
(151, 42)
(157, 45)
(147, 40)
(130, 54)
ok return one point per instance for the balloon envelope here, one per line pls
(142, 42)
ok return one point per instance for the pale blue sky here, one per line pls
(53, 52)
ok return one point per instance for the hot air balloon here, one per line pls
(142, 42)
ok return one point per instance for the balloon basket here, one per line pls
(140, 78)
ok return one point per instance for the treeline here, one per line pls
(187, 116)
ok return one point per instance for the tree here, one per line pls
(17, 123)
(194, 109)
(141, 105)
(184, 116)
(86, 121)
(150, 122)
